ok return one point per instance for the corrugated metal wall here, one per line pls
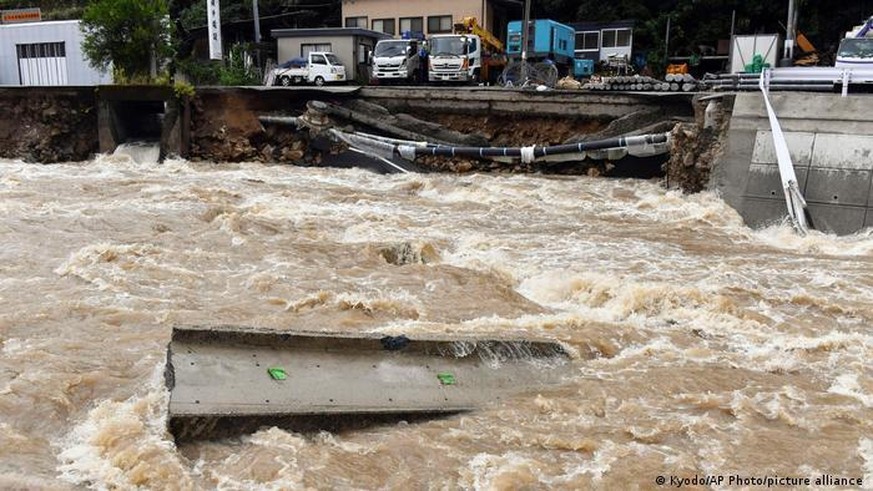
(45, 68)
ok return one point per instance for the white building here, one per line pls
(600, 41)
(45, 53)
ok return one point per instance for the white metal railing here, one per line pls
(794, 200)
(797, 78)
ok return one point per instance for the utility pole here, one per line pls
(525, 35)
(257, 21)
(667, 41)
(257, 33)
(790, 28)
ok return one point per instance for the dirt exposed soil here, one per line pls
(518, 129)
(47, 127)
(696, 146)
(225, 128)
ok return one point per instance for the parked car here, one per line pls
(319, 68)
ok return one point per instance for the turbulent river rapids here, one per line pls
(705, 348)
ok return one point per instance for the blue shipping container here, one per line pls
(547, 39)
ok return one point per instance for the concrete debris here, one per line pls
(230, 379)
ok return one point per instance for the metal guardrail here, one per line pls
(794, 200)
(796, 78)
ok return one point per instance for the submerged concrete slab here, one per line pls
(220, 373)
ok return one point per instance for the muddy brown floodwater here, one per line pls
(719, 350)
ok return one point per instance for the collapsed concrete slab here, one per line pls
(228, 380)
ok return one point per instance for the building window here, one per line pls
(616, 38)
(411, 24)
(305, 49)
(588, 41)
(439, 23)
(384, 25)
(356, 22)
(41, 50)
(42, 63)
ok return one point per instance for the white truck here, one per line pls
(396, 60)
(856, 49)
(455, 58)
(319, 68)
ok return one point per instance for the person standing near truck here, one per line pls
(422, 62)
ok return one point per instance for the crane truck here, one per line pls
(471, 54)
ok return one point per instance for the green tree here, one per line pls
(133, 36)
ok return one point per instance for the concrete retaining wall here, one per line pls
(493, 100)
(830, 139)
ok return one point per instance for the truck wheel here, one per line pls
(474, 80)
(319, 80)
(285, 80)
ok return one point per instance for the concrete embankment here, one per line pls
(830, 140)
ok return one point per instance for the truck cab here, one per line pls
(455, 58)
(318, 67)
(396, 60)
(856, 49)
(855, 53)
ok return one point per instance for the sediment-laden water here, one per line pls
(706, 348)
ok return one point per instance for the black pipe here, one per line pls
(444, 151)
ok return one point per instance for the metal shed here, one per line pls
(350, 44)
(45, 53)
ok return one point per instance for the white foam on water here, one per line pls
(510, 470)
(605, 456)
(865, 451)
(848, 385)
(784, 237)
(139, 152)
(125, 444)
